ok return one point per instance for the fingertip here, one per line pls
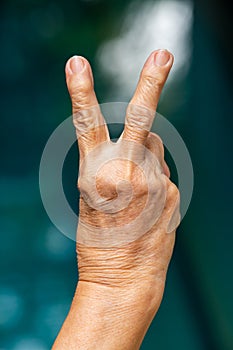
(76, 65)
(160, 58)
(68, 71)
(78, 74)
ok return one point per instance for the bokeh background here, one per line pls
(37, 263)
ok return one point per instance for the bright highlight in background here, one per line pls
(147, 27)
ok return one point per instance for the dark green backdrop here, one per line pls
(37, 263)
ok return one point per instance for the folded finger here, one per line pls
(155, 145)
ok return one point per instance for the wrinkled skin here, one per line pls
(117, 257)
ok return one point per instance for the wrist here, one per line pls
(119, 317)
(120, 301)
(107, 318)
(130, 274)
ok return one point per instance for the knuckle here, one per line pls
(142, 188)
(157, 142)
(107, 189)
(156, 138)
(157, 187)
(82, 185)
(81, 89)
(134, 131)
(85, 185)
(173, 190)
(153, 83)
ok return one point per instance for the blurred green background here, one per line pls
(37, 263)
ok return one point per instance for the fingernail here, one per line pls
(76, 64)
(161, 57)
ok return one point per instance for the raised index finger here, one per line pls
(142, 107)
(90, 125)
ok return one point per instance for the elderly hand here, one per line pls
(129, 211)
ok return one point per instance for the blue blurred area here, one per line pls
(37, 263)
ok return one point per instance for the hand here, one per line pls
(129, 209)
